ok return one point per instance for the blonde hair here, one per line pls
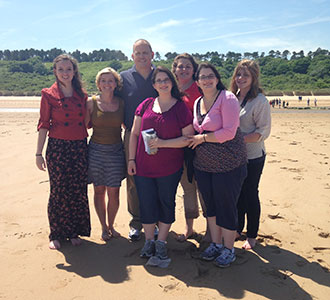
(253, 67)
(109, 70)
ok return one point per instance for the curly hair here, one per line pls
(109, 70)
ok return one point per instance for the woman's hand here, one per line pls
(195, 140)
(40, 162)
(155, 143)
(131, 167)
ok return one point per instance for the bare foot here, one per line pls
(114, 233)
(183, 237)
(54, 245)
(76, 241)
(105, 235)
(249, 244)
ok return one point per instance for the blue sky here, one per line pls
(170, 26)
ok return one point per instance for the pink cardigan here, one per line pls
(222, 118)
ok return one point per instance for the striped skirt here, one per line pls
(106, 165)
(68, 210)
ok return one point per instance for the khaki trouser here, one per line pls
(132, 196)
(190, 200)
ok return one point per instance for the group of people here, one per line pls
(181, 126)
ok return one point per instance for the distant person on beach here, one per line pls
(255, 123)
(107, 166)
(137, 86)
(62, 114)
(283, 104)
(220, 161)
(308, 101)
(157, 173)
(184, 68)
(315, 102)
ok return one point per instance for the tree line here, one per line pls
(27, 71)
(107, 54)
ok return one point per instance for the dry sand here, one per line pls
(290, 261)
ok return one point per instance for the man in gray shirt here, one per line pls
(137, 86)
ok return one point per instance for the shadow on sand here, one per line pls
(266, 271)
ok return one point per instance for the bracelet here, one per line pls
(131, 159)
(204, 138)
(38, 154)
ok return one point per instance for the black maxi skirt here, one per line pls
(68, 209)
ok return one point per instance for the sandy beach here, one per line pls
(290, 261)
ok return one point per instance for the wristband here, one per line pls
(38, 154)
(131, 159)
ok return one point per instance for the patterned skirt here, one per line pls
(68, 210)
(106, 164)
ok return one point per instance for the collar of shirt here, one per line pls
(56, 92)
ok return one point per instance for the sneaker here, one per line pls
(226, 257)
(148, 249)
(156, 232)
(161, 250)
(211, 252)
(134, 234)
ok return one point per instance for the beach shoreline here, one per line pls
(290, 261)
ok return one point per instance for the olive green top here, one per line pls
(107, 125)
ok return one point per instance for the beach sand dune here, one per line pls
(290, 261)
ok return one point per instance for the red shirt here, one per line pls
(192, 94)
(168, 125)
(62, 116)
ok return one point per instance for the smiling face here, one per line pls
(243, 79)
(107, 83)
(184, 70)
(142, 55)
(207, 80)
(64, 71)
(163, 84)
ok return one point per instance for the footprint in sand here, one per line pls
(324, 234)
(294, 143)
(59, 285)
(273, 161)
(295, 170)
(292, 160)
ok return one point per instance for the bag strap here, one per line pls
(244, 102)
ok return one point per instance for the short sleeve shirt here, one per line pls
(168, 125)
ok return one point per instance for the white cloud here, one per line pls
(294, 25)
(171, 23)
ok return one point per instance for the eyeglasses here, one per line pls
(208, 77)
(166, 80)
(181, 67)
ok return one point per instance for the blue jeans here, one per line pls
(157, 197)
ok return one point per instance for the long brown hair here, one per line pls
(253, 67)
(77, 83)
